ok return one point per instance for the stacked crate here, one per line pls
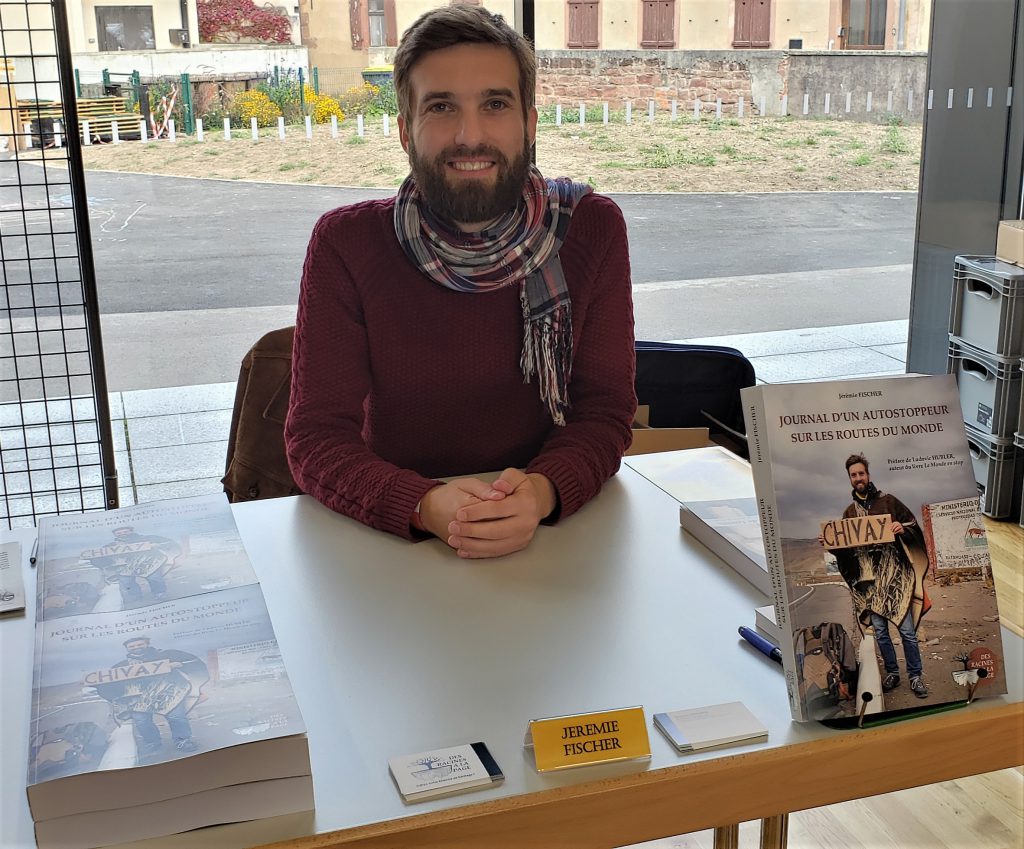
(986, 344)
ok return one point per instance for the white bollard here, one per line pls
(762, 106)
(931, 97)
(849, 100)
(970, 98)
(254, 129)
(86, 136)
(199, 129)
(359, 125)
(558, 114)
(739, 108)
(604, 112)
(387, 124)
(867, 106)
(718, 109)
(143, 132)
(309, 127)
(650, 111)
(888, 105)
(629, 111)
(280, 127)
(171, 132)
(910, 99)
(58, 138)
(807, 103)
(115, 133)
(334, 126)
(675, 109)
(949, 99)
(696, 109)
(784, 106)
(227, 129)
(583, 113)
(988, 98)
(828, 102)
(28, 135)
(1009, 96)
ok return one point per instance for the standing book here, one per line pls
(715, 491)
(868, 510)
(160, 700)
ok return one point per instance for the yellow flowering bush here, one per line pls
(359, 98)
(247, 105)
(321, 107)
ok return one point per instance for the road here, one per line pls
(190, 272)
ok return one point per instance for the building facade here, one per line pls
(353, 34)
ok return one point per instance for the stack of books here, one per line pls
(160, 700)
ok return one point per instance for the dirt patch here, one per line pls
(752, 155)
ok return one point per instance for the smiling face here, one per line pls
(466, 134)
(859, 477)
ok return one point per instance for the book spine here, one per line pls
(759, 447)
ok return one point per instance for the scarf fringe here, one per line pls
(547, 352)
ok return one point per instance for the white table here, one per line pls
(395, 648)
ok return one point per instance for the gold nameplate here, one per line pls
(589, 738)
(857, 530)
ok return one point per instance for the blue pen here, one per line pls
(761, 644)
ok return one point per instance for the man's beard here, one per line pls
(470, 201)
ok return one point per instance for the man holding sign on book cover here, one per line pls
(886, 579)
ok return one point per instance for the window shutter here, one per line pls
(390, 24)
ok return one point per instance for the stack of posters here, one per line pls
(160, 700)
(876, 547)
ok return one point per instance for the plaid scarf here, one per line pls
(520, 247)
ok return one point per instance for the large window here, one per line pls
(659, 24)
(582, 24)
(864, 24)
(125, 28)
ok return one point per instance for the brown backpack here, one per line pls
(257, 466)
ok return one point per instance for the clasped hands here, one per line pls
(480, 519)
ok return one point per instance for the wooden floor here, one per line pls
(980, 812)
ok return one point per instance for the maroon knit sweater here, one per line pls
(397, 380)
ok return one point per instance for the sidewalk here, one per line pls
(172, 442)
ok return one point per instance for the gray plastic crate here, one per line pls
(997, 468)
(990, 388)
(1018, 440)
(987, 310)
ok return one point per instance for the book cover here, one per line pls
(846, 473)
(711, 727)
(157, 673)
(715, 491)
(442, 772)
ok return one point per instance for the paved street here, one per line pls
(191, 272)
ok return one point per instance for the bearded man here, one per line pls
(481, 320)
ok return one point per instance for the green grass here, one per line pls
(863, 159)
(356, 140)
(894, 141)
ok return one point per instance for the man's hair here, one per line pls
(135, 640)
(123, 528)
(460, 24)
(854, 459)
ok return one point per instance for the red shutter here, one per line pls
(658, 29)
(390, 24)
(582, 23)
(355, 23)
(753, 23)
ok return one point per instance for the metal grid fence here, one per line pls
(55, 445)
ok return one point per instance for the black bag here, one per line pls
(693, 386)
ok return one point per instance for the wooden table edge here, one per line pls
(703, 794)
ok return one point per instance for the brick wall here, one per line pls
(568, 76)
